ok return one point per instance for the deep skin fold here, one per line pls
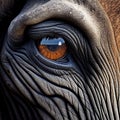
(86, 87)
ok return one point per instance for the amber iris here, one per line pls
(52, 48)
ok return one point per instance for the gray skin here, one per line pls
(84, 85)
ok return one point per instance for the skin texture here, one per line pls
(84, 85)
(112, 9)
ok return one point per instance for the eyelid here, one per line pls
(55, 29)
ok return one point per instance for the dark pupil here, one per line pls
(52, 43)
(52, 47)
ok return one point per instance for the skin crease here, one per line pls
(86, 88)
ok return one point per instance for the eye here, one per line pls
(52, 48)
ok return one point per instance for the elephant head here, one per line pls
(59, 61)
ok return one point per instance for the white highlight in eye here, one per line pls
(59, 43)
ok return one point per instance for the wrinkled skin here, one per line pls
(84, 85)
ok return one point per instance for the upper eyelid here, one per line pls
(70, 34)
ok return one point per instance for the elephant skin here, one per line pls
(82, 85)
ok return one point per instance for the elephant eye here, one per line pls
(52, 48)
